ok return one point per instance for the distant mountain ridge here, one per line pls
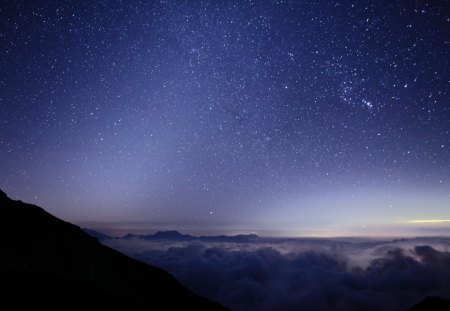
(177, 236)
(49, 263)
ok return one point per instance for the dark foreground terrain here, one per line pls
(46, 262)
(432, 304)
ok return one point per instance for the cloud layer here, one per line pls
(304, 274)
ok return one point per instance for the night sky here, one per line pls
(282, 117)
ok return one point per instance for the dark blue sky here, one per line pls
(307, 117)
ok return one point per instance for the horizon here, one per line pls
(240, 272)
(140, 228)
(424, 228)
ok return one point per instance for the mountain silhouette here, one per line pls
(177, 236)
(168, 235)
(171, 234)
(432, 303)
(240, 238)
(46, 262)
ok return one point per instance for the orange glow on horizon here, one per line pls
(425, 221)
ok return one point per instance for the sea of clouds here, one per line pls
(303, 274)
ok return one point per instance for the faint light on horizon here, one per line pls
(425, 221)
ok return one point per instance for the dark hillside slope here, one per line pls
(46, 262)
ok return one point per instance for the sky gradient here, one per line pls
(296, 118)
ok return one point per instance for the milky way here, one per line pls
(311, 117)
